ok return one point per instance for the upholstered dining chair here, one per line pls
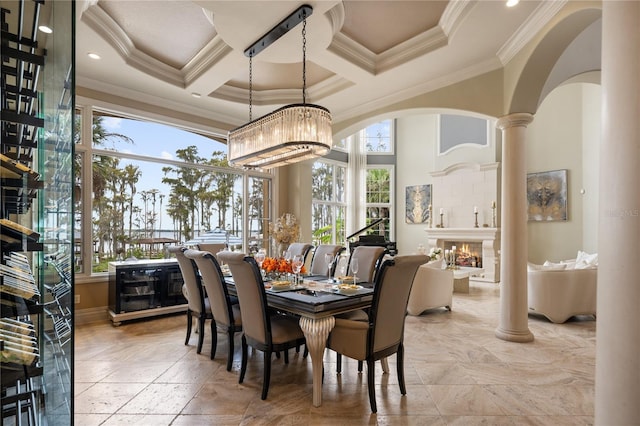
(382, 335)
(301, 249)
(262, 330)
(198, 304)
(318, 264)
(226, 314)
(369, 258)
(212, 248)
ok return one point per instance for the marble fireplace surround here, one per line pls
(489, 237)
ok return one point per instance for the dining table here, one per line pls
(316, 300)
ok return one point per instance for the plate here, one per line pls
(281, 286)
(348, 290)
(345, 279)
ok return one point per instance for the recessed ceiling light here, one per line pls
(45, 29)
(196, 95)
(511, 3)
(93, 55)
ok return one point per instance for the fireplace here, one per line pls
(481, 245)
(468, 253)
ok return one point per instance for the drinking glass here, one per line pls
(296, 265)
(260, 256)
(328, 257)
(354, 268)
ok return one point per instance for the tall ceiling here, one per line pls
(361, 55)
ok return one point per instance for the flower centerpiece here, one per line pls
(276, 267)
(285, 230)
(434, 253)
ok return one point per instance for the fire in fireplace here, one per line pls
(468, 253)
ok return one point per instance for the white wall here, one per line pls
(416, 154)
(565, 134)
(591, 138)
(457, 192)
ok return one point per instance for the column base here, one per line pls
(523, 336)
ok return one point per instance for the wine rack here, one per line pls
(36, 176)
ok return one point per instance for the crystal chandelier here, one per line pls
(289, 134)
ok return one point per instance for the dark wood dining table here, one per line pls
(316, 302)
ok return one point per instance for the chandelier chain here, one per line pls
(304, 59)
(250, 86)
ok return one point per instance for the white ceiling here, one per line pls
(361, 55)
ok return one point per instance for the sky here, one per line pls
(158, 141)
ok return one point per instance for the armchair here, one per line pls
(432, 288)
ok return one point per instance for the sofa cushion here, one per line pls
(551, 266)
(585, 260)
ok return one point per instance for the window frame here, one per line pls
(86, 108)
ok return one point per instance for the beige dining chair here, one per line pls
(369, 258)
(262, 330)
(318, 264)
(198, 304)
(383, 334)
(226, 314)
(301, 249)
(212, 248)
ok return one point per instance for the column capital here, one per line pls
(518, 119)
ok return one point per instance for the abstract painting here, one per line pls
(547, 195)
(418, 202)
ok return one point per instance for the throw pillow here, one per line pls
(585, 260)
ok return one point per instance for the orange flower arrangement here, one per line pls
(280, 265)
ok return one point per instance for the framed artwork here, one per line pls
(417, 204)
(547, 196)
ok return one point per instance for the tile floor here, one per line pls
(456, 372)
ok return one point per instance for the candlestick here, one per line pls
(453, 257)
(476, 225)
(493, 215)
(430, 216)
(441, 214)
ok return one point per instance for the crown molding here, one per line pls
(418, 90)
(453, 15)
(534, 23)
(316, 92)
(214, 52)
(165, 103)
(96, 18)
(353, 52)
(411, 49)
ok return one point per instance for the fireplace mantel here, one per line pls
(465, 234)
(490, 238)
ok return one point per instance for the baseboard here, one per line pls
(91, 315)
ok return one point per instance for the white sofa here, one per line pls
(562, 293)
(432, 288)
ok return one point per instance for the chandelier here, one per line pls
(289, 134)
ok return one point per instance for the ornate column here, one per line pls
(617, 336)
(514, 321)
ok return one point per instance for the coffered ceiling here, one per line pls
(361, 55)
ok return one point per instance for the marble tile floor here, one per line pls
(456, 372)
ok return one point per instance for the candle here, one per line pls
(453, 249)
(475, 209)
(441, 211)
(493, 204)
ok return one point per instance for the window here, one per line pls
(154, 185)
(379, 196)
(374, 145)
(329, 202)
(378, 137)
